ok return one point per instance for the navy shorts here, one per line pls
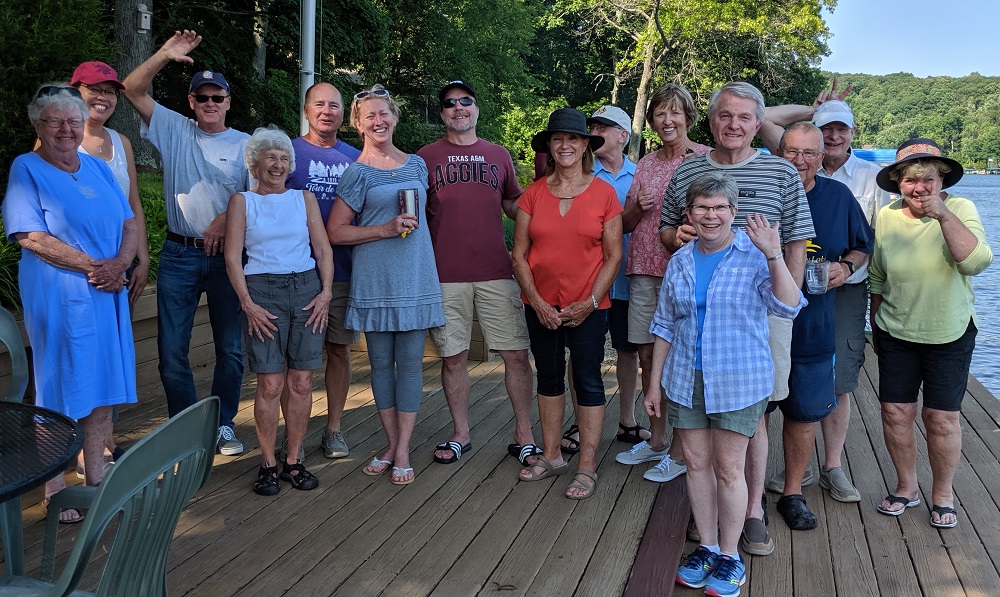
(943, 369)
(618, 326)
(811, 395)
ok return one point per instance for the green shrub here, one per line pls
(151, 195)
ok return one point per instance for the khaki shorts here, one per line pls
(501, 316)
(644, 295)
(780, 342)
(336, 333)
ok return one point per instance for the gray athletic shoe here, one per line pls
(283, 453)
(840, 487)
(639, 453)
(334, 444)
(665, 470)
(227, 443)
(777, 482)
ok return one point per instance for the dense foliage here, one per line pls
(961, 114)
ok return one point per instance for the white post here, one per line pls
(307, 57)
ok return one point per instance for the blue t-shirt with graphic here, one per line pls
(318, 169)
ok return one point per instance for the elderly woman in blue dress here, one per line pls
(397, 297)
(78, 237)
(712, 362)
(284, 291)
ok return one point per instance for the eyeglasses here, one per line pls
(452, 102)
(201, 99)
(701, 210)
(74, 123)
(101, 90)
(50, 90)
(809, 154)
(374, 92)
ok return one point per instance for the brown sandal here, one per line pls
(577, 483)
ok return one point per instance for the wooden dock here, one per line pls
(471, 529)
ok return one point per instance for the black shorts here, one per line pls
(943, 369)
(618, 326)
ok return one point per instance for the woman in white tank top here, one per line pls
(99, 86)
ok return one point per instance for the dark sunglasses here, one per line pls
(50, 90)
(201, 99)
(452, 102)
(375, 92)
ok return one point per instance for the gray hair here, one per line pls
(801, 127)
(64, 98)
(713, 184)
(265, 139)
(739, 89)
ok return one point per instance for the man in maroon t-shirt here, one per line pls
(472, 182)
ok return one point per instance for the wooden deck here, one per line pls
(471, 529)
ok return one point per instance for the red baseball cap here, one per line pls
(94, 72)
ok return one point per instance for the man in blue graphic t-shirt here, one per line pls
(320, 159)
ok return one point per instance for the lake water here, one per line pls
(984, 191)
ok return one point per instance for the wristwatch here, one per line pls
(850, 266)
(593, 300)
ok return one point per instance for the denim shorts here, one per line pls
(943, 369)
(811, 394)
(743, 421)
(586, 352)
(284, 296)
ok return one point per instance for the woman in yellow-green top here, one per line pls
(928, 244)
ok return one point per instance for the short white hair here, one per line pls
(64, 98)
(267, 138)
(739, 89)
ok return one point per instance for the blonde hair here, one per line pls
(374, 92)
(919, 168)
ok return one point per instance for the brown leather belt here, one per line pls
(187, 241)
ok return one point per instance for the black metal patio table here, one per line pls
(36, 444)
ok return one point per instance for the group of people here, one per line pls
(736, 281)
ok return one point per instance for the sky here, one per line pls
(922, 37)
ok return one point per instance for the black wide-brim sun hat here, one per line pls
(565, 120)
(915, 149)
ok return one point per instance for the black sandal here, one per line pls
(631, 435)
(267, 481)
(574, 447)
(523, 453)
(299, 477)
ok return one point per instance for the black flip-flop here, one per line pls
(522, 453)
(456, 448)
(941, 511)
(895, 499)
(574, 448)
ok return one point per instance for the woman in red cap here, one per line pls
(99, 86)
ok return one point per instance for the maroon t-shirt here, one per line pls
(464, 216)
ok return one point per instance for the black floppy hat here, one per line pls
(915, 149)
(565, 120)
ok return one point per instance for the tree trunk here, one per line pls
(641, 97)
(134, 47)
(259, 28)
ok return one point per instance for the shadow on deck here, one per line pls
(471, 529)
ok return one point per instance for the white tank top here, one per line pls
(277, 238)
(117, 163)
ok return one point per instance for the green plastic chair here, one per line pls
(10, 511)
(10, 335)
(145, 490)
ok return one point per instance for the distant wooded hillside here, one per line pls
(961, 114)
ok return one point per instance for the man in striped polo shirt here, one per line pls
(770, 186)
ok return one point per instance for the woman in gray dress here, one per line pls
(397, 297)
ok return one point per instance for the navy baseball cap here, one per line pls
(453, 85)
(207, 77)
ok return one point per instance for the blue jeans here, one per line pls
(186, 272)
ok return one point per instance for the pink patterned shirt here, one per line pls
(646, 254)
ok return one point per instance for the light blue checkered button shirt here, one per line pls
(736, 361)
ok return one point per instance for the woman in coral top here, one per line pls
(567, 249)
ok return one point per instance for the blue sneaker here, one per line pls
(696, 568)
(727, 577)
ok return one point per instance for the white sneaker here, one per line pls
(228, 445)
(641, 452)
(665, 470)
